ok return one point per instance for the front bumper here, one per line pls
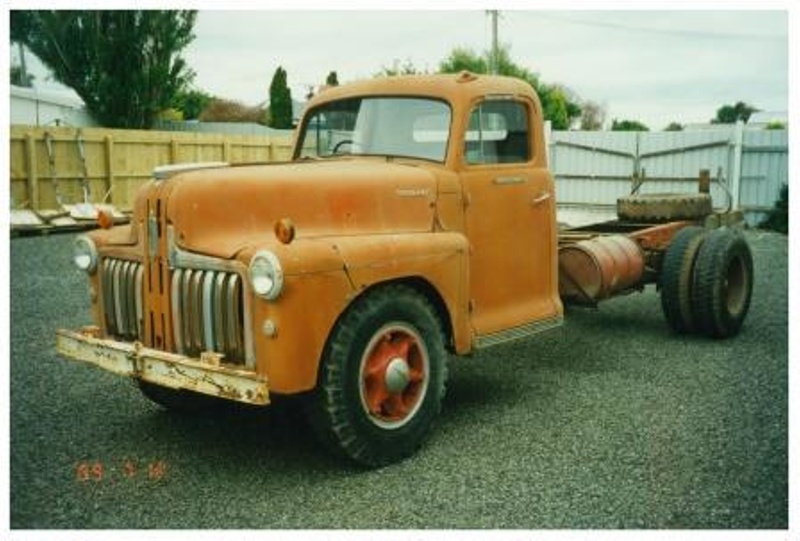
(203, 375)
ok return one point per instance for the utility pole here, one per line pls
(494, 60)
(26, 79)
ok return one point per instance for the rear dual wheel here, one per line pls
(723, 284)
(707, 282)
(677, 278)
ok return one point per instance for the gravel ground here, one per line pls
(607, 422)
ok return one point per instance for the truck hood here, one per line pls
(218, 212)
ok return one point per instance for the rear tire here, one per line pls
(722, 283)
(676, 278)
(382, 378)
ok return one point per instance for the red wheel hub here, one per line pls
(393, 376)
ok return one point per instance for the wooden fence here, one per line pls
(113, 164)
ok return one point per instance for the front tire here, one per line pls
(382, 377)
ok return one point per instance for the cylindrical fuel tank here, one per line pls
(595, 269)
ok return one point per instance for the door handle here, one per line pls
(505, 181)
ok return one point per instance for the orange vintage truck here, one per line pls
(417, 219)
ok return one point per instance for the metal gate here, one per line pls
(593, 169)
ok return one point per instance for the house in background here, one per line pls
(35, 107)
(762, 119)
(759, 120)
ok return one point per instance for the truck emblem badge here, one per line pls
(412, 192)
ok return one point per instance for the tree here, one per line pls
(171, 115)
(19, 72)
(406, 68)
(593, 116)
(559, 104)
(125, 65)
(628, 125)
(280, 101)
(219, 110)
(332, 79)
(19, 77)
(555, 107)
(191, 103)
(730, 114)
(463, 59)
(466, 59)
(674, 126)
(778, 218)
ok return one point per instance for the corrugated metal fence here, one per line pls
(593, 169)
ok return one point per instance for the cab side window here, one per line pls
(498, 133)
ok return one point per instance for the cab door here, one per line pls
(509, 219)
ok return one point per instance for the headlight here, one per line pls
(266, 275)
(85, 254)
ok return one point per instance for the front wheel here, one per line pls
(382, 378)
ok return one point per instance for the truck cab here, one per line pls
(480, 139)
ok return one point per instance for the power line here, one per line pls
(708, 34)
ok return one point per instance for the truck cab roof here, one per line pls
(456, 88)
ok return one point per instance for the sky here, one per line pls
(656, 67)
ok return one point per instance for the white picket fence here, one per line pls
(593, 169)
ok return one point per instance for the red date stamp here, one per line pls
(97, 471)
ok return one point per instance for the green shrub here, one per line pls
(778, 217)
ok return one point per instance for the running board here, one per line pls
(516, 333)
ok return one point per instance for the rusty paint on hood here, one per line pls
(218, 212)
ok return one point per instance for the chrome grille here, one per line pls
(122, 297)
(207, 313)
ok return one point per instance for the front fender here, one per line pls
(440, 259)
(289, 333)
(323, 276)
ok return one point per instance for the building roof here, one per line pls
(47, 96)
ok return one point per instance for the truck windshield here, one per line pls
(377, 126)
